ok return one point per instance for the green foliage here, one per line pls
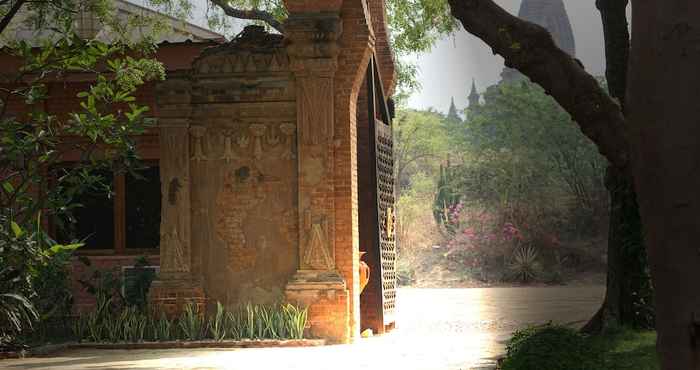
(557, 347)
(217, 325)
(33, 185)
(550, 347)
(296, 320)
(516, 172)
(19, 256)
(249, 321)
(523, 150)
(192, 323)
(163, 329)
(524, 265)
(137, 285)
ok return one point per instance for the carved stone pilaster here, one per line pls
(175, 189)
(176, 286)
(317, 284)
(313, 55)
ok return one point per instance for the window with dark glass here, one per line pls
(124, 220)
(143, 208)
(94, 218)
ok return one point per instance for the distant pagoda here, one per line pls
(550, 14)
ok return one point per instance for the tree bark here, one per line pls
(5, 21)
(662, 100)
(250, 14)
(664, 143)
(628, 295)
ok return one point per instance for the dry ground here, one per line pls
(436, 329)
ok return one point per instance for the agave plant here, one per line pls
(296, 318)
(191, 323)
(162, 329)
(80, 328)
(234, 326)
(249, 321)
(267, 316)
(524, 265)
(217, 325)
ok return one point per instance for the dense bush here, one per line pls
(512, 192)
(551, 347)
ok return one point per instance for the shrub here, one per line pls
(550, 347)
(524, 265)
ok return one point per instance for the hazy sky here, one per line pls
(447, 71)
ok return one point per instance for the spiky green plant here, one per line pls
(295, 318)
(249, 324)
(133, 324)
(234, 324)
(80, 328)
(259, 324)
(114, 327)
(266, 318)
(191, 323)
(279, 322)
(163, 329)
(217, 325)
(524, 265)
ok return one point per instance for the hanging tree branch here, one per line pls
(253, 14)
(5, 21)
(530, 49)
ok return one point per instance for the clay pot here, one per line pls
(364, 273)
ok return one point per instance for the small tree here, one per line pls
(34, 186)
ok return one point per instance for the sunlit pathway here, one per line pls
(437, 329)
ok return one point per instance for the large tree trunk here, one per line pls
(663, 100)
(628, 295)
(663, 147)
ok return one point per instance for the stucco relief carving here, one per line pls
(288, 226)
(316, 253)
(228, 155)
(175, 254)
(175, 217)
(316, 119)
(258, 131)
(288, 130)
(198, 133)
(243, 141)
(272, 139)
(243, 62)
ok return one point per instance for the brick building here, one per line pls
(272, 175)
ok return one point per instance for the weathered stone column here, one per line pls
(176, 286)
(317, 284)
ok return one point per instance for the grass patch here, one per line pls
(628, 349)
(554, 347)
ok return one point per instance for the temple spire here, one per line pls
(473, 96)
(552, 15)
(452, 114)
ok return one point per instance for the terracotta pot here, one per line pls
(364, 273)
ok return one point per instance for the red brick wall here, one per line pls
(82, 300)
(383, 51)
(62, 101)
(356, 42)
